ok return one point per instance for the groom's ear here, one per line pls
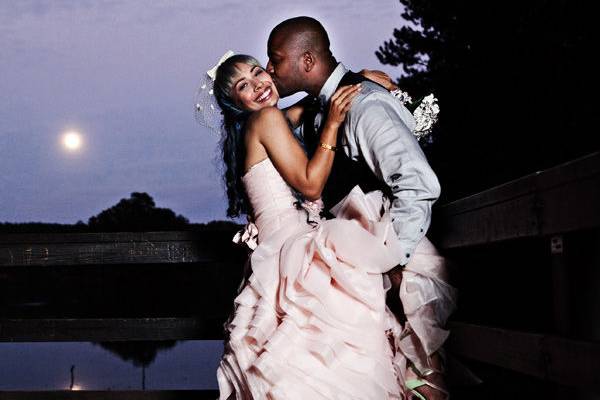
(308, 61)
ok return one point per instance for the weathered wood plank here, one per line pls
(556, 359)
(511, 350)
(558, 200)
(110, 395)
(111, 248)
(571, 362)
(102, 253)
(102, 237)
(108, 329)
(569, 207)
(501, 221)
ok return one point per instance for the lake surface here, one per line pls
(188, 364)
(199, 290)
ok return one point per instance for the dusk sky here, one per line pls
(123, 74)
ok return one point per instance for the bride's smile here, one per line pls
(265, 95)
(253, 88)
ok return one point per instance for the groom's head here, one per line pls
(299, 56)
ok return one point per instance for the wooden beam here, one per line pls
(110, 395)
(560, 360)
(102, 237)
(109, 329)
(111, 248)
(558, 200)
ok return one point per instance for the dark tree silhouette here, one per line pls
(513, 81)
(138, 213)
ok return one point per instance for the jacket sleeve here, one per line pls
(379, 130)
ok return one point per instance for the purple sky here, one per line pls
(124, 73)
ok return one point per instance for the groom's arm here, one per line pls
(378, 129)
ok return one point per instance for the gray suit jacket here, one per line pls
(378, 131)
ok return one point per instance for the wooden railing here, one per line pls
(552, 220)
(544, 219)
(188, 281)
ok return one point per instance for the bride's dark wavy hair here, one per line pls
(232, 141)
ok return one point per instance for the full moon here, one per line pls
(72, 140)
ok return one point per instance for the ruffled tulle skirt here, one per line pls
(311, 320)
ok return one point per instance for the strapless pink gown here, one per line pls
(311, 320)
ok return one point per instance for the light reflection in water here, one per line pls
(189, 364)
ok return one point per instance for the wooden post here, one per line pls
(560, 286)
(560, 299)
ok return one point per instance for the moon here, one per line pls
(72, 140)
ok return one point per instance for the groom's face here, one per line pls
(283, 66)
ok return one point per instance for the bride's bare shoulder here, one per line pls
(267, 115)
(262, 123)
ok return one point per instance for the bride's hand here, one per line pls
(379, 77)
(340, 104)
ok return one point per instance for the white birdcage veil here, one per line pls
(206, 109)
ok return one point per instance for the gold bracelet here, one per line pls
(328, 146)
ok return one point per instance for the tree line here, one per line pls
(138, 213)
(515, 82)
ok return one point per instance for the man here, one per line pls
(376, 150)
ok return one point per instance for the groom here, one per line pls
(376, 148)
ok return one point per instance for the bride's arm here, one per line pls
(273, 133)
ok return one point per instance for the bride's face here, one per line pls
(253, 88)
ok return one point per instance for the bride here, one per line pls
(310, 321)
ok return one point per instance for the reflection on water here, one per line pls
(140, 353)
(166, 365)
(202, 290)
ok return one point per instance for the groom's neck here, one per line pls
(321, 75)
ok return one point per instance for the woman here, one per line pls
(311, 320)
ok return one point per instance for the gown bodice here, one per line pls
(272, 200)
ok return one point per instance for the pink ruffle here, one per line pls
(311, 321)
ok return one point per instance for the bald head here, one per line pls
(299, 55)
(302, 34)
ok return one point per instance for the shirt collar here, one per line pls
(332, 83)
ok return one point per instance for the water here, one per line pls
(183, 365)
(202, 290)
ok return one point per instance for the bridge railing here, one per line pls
(550, 215)
(535, 239)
